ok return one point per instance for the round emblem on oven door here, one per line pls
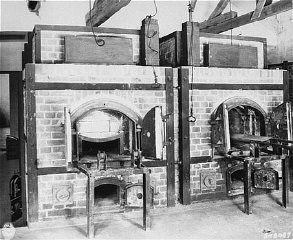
(63, 195)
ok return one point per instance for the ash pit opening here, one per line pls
(107, 195)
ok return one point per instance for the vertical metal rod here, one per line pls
(285, 181)
(247, 186)
(90, 207)
(146, 200)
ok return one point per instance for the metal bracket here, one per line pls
(166, 117)
(169, 141)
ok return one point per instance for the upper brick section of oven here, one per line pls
(234, 76)
(82, 73)
(49, 41)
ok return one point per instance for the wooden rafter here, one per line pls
(268, 11)
(102, 10)
(219, 9)
(258, 9)
(219, 19)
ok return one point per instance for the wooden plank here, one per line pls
(268, 11)
(84, 49)
(118, 86)
(28, 50)
(146, 200)
(67, 28)
(13, 36)
(21, 137)
(202, 159)
(184, 139)
(38, 46)
(170, 138)
(225, 36)
(216, 20)
(288, 87)
(246, 138)
(149, 42)
(178, 49)
(285, 181)
(190, 55)
(56, 170)
(97, 86)
(265, 54)
(154, 163)
(259, 7)
(31, 145)
(219, 8)
(232, 56)
(206, 86)
(247, 186)
(102, 10)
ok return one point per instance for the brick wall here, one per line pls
(196, 188)
(49, 210)
(52, 44)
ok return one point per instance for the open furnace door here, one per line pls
(152, 134)
(220, 136)
(281, 121)
(68, 135)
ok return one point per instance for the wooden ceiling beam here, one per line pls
(258, 9)
(102, 10)
(219, 19)
(268, 11)
(219, 9)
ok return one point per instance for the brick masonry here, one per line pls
(48, 210)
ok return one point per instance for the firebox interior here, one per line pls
(103, 130)
(245, 120)
(92, 148)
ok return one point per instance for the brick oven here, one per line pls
(225, 102)
(227, 96)
(99, 134)
(108, 136)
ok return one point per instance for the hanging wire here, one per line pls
(156, 9)
(99, 41)
(150, 37)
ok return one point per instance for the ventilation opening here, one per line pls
(107, 195)
(34, 6)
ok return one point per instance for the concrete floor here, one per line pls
(206, 220)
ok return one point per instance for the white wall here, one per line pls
(4, 100)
